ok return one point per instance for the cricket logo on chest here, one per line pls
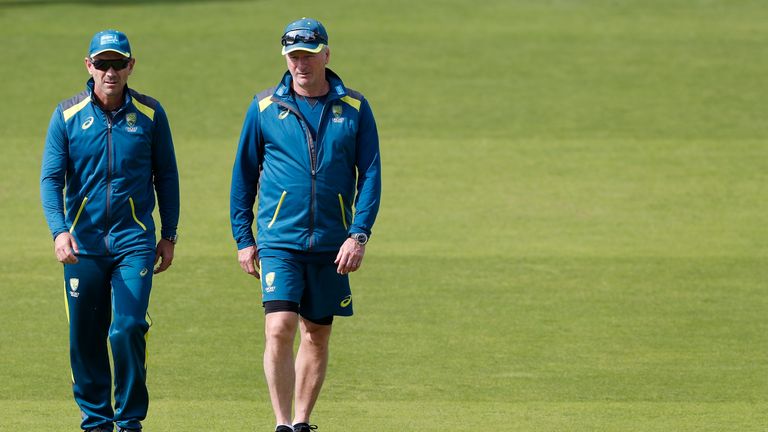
(130, 119)
(337, 111)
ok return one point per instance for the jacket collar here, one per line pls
(284, 92)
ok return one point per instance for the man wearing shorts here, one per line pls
(310, 149)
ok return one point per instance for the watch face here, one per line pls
(360, 238)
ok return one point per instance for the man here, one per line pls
(110, 147)
(309, 146)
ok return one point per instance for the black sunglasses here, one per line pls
(296, 36)
(105, 65)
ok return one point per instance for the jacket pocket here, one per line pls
(277, 209)
(343, 213)
(133, 213)
(77, 215)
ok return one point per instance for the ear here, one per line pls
(130, 65)
(327, 54)
(88, 65)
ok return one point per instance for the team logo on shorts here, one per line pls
(346, 302)
(269, 279)
(143, 272)
(73, 284)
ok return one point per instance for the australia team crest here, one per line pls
(337, 111)
(130, 119)
(269, 279)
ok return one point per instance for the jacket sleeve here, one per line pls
(245, 179)
(368, 164)
(165, 174)
(53, 174)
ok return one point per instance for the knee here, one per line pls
(127, 328)
(316, 336)
(280, 330)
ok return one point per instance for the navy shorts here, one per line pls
(308, 279)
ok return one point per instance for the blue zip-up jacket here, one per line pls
(306, 187)
(111, 164)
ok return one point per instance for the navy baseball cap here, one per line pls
(306, 34)
(110, 40)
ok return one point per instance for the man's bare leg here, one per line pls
(280, 331)
(311, 364)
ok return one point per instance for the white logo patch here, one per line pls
(337, 111)
(73, 284)
(130, 118)
(87, 123)
(143, 272)
(106, 39)
(269, 279)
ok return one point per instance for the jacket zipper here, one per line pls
(312, 161)
(109, 177)
(312, 164)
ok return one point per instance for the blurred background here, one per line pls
(572, 233)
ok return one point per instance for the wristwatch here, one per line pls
(173, 239)
(360, 238)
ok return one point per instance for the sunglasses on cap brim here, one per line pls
(302, 36)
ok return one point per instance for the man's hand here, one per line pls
(164, 254)
(65, 248)
(249, 258)
(350, 256)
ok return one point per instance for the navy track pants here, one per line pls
(107, 299)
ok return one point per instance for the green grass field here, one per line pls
(573, 232)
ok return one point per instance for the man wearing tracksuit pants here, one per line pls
(109, 149)
(310, 148)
